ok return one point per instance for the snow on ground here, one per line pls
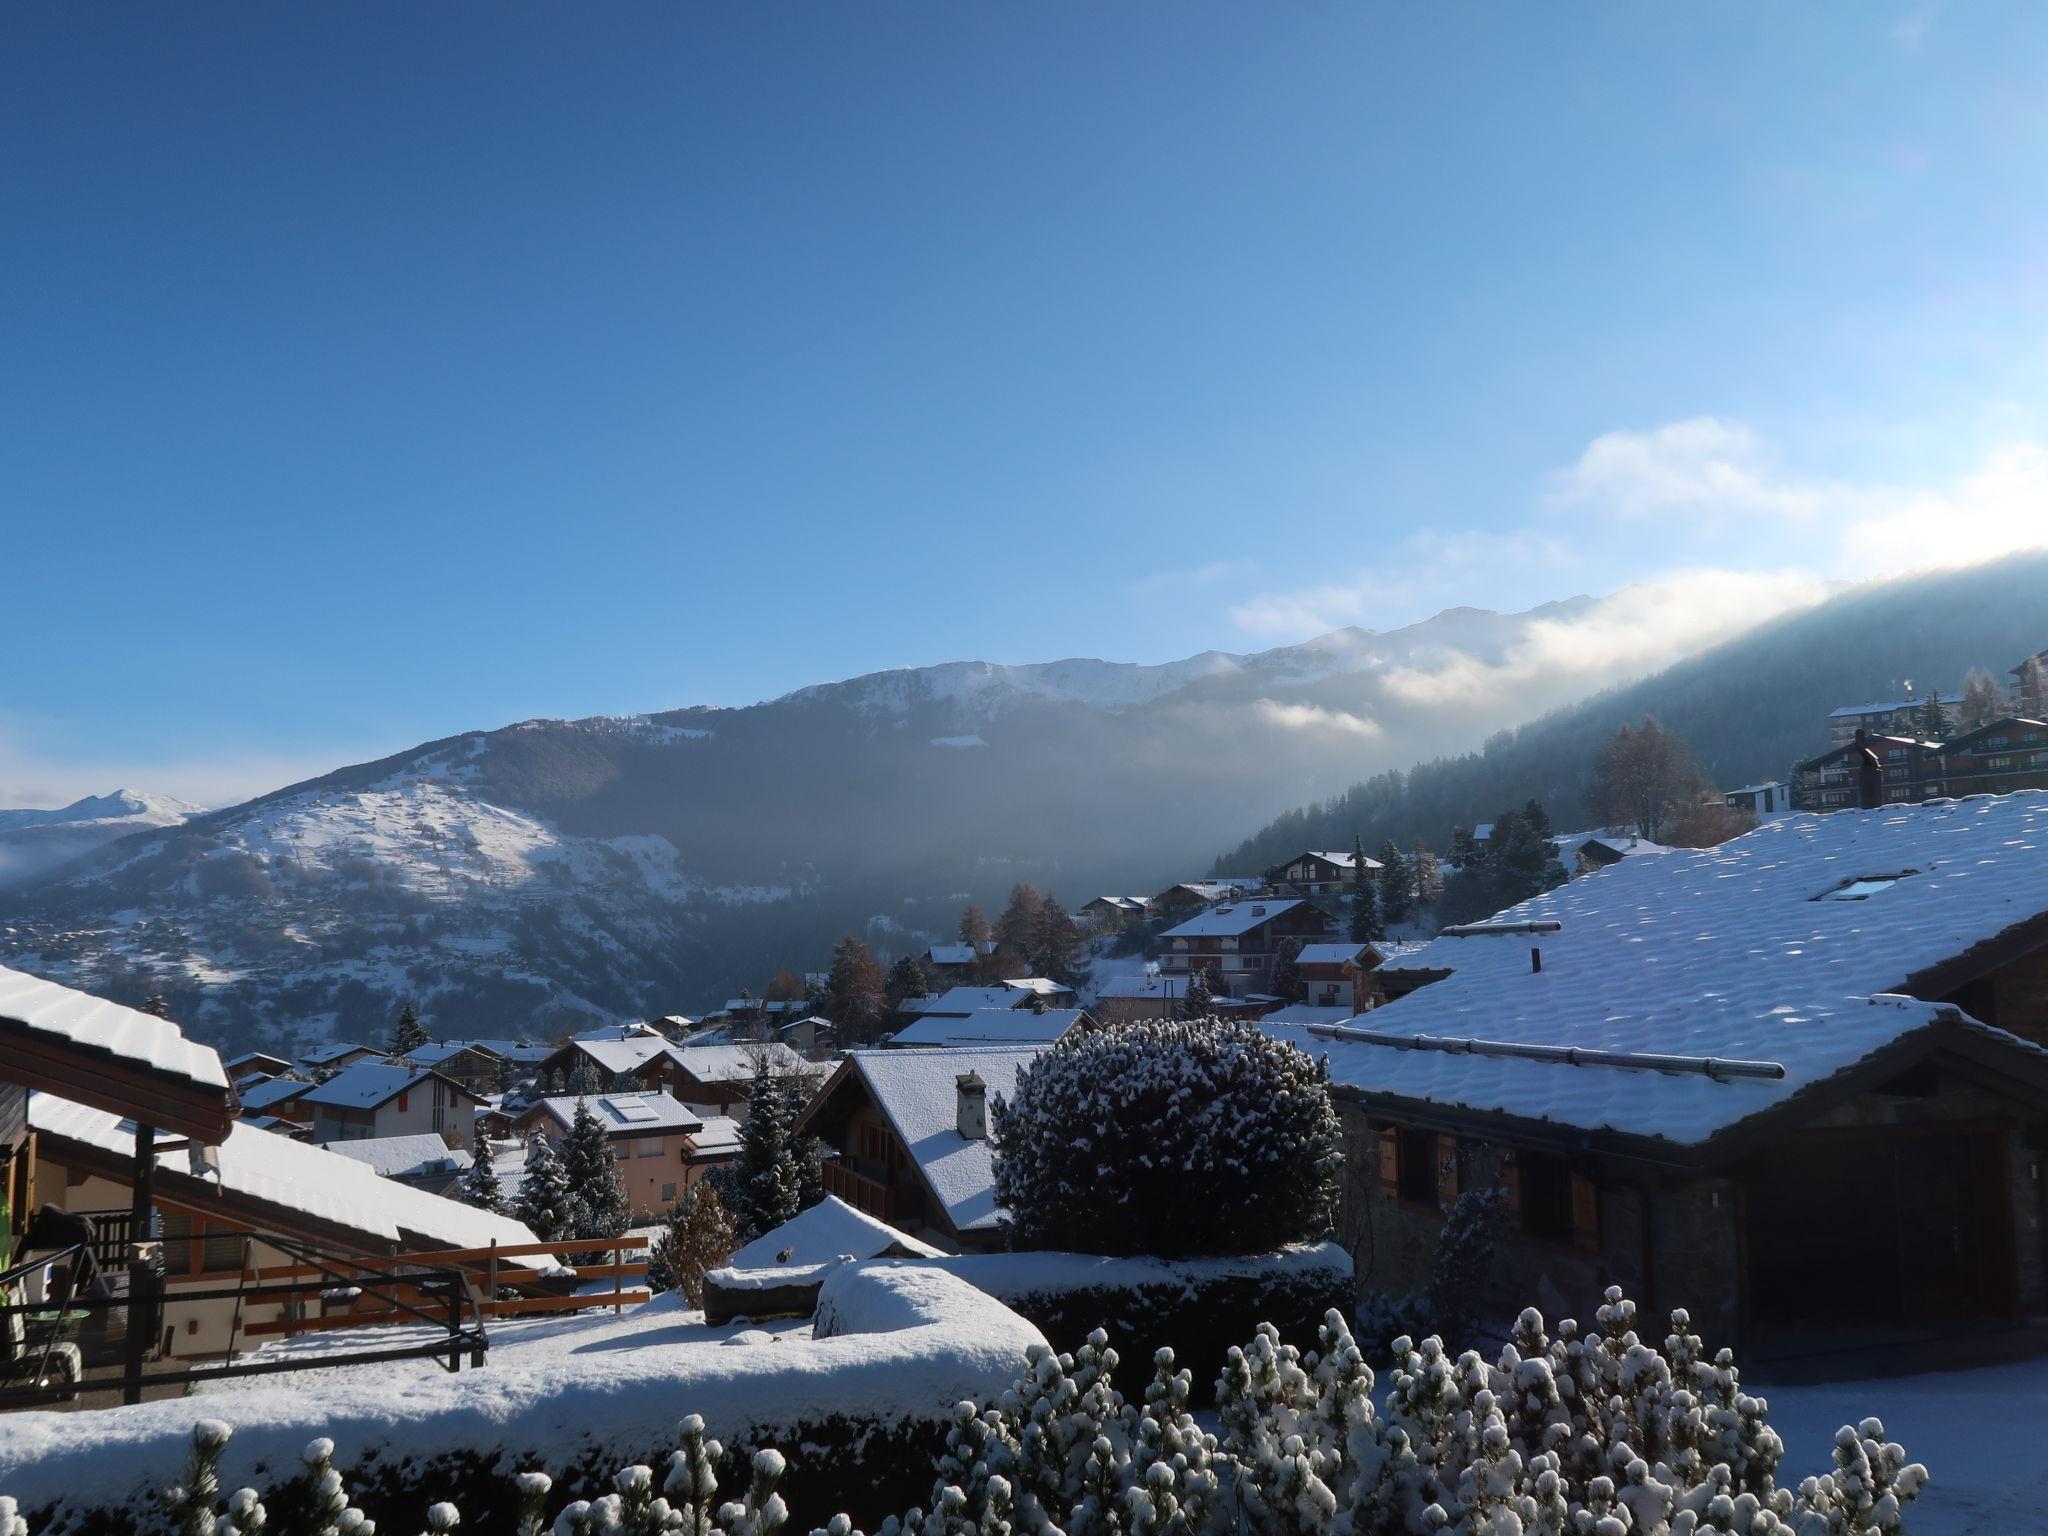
(1977, 1432)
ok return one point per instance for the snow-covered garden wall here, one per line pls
(868, 1395)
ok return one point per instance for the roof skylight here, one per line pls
(1863, 887)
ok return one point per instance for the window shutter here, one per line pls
(1511, 1181)
(1585, 1214)
(1390, 1162)
(1447, 1171)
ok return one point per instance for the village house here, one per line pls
(1766, 801)
(636, 1055)
(1127, 999)
(1898, 717)
(382, 1098)
(910, 1130)
(1582, 853)
(1998, 757)
(1106, 914)
(278, 1099)
(338, 1054)
(1693, 1075)
(1318, 874)
(1830, 781)
(1235, 942)
(1995, 759)
(946, 965)
(719, 1079)
(1337, 974)
(421, 1160)
(2030, 686)
(662, 1147)
(471, 1063)
(254, 1064)
(1193, 895)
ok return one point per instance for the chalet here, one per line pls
(1318, 874)
(812, 1037)
(654, 1138)
(1895, 717)
(952, 964)
(341, 1053)
(1236, 941)
(1994, 759)
(1690, 1074)
(1830, 782)
(626, 1056)
(1193, 895)
(959, 1002)
(277, 1098)
(992, 1026)
(718, 1079)
(1337, 975)
(1127, 999)
(382, 1098)
(471, 1063)
(1582, 853)
(1107, 913)
(423, 1161)
(910, 1129)
(254, 1064)
(2030, 686)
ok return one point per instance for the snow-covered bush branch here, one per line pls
(1571, 1434)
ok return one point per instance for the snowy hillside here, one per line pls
(32, 842)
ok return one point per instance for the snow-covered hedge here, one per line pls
(1167, 1137)
(870, 1397)
(1196, 1307)
(1567, 1436)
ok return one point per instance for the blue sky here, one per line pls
(371, 372)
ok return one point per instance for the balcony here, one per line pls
(871, 1195)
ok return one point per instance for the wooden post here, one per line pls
(140, 1278)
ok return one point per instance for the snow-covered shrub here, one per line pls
(1171, 1138)
(1594, 1435)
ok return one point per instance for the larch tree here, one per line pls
(410, 1034)
(697, 1236)
(855, 992)
(1642, 776)
(1984, 701)
(973, 927)
(1057, 948)
(1017, 928)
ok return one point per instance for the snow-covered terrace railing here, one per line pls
(1717, 1067)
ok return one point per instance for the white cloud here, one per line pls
(1313, 717)
(1704, 467)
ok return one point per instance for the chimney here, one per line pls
(971, 1117)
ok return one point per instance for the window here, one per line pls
(621, 1152)
(1546, 1190)
(668, 1191)
(1863, 887)
(403, 1096)
(1416, 1162)
(652, 1146)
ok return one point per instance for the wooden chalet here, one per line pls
(1318, 874)
(1236, 942)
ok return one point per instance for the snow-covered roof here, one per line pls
(1216, 890)
(1037, 986)
(825, 1232)
(624, 1114)
(435, 1052)
(1482, 832)
(1878, 709)
(314, 1181)
(618, 1055)
(259, 1059)
(952, 954)
(321, 1055)
(919, 1092)
(1776, 946)
(1309, 1013)
(1164, 987)
(394, 1156)
(961, 1001)
(989, 1026)
(737, 1063)
(1329, 954)
(1232, 919)
(78, 1018)
(367, 1084)
(272, 1092)
(716, 1137)
(1345, 858)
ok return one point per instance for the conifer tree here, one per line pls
(1056, 951)
(543, 1202)
(1199, 1001)
(973, 927)
(1366, 927)
(767, 1183)
(479, 1185)
(855, 991)
(584, 1078)
(1285, 980)
(155, 1006)
(1429, 876)
(410, 1034)
(1017, 928)
(1397, 885)
(1932, 720)
(906, 979)
(597, 1200)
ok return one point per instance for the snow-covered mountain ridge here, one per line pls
(34, 841)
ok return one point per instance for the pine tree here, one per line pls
(1199, 1001)
(906, 979)
(410, 1034)
(155, 1006)
(543, 1202)
(479, 1185)
(1397, 885)
(1285, 980)
(584, 1078)
(597, 1200)
(1932, 720)
(1366, 927)
(697, 1236)
(768, 1175)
